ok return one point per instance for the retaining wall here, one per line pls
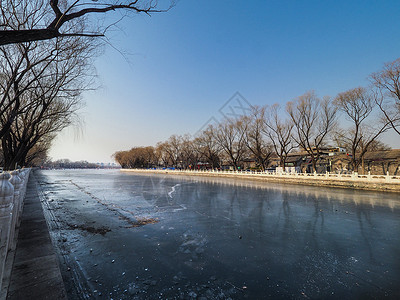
(354, 180)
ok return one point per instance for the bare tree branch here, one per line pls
(358, 106)
(313, 120)
(11, 34)
(387, 82)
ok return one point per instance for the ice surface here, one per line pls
(219, 239)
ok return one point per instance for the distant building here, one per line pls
(335, 159)
(376, 162)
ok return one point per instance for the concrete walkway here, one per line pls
(35, 272)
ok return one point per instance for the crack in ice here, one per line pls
(173, 190)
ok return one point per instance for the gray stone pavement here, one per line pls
(35, 272)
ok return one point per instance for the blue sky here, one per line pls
(178, 68)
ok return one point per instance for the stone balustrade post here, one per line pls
(22, 174)
(16, 181)
(6, 208)
(387, 177)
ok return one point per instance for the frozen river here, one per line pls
(128, 236)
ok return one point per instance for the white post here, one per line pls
(388, 177)
(6, 208)
(23, 174)
(16, 181)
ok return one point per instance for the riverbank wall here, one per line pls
(386, 183)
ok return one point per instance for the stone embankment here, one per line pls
(386, 182)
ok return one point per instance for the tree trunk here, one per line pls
(282, 163)
(314, 164)
(362, 166)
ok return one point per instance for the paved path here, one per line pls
(35, 273)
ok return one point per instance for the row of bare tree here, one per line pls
(307, 123)
(46, 51)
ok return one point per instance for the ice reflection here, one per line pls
(392, 200)
(321, 233)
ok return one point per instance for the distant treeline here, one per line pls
(67, 164)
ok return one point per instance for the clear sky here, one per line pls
(181, 66)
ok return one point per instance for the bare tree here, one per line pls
(48, 19)
(137, 157)
(40, 86)
(208, 148)
(178, 151)
(189, 154)
(230, 136)
(387, 81)
(22, 64)
(38, 154)
(162, 155)
(358, 105)
(150, 156)
(378, 145)
(313, 120)
(171, 151)
(17, 65)
(255, 140)
(49, 114)
(279, 130)
(121, 157)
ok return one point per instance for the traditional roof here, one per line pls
(393, 154)
(383, 155)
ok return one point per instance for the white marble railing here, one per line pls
(12, 192)
(306, 176)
